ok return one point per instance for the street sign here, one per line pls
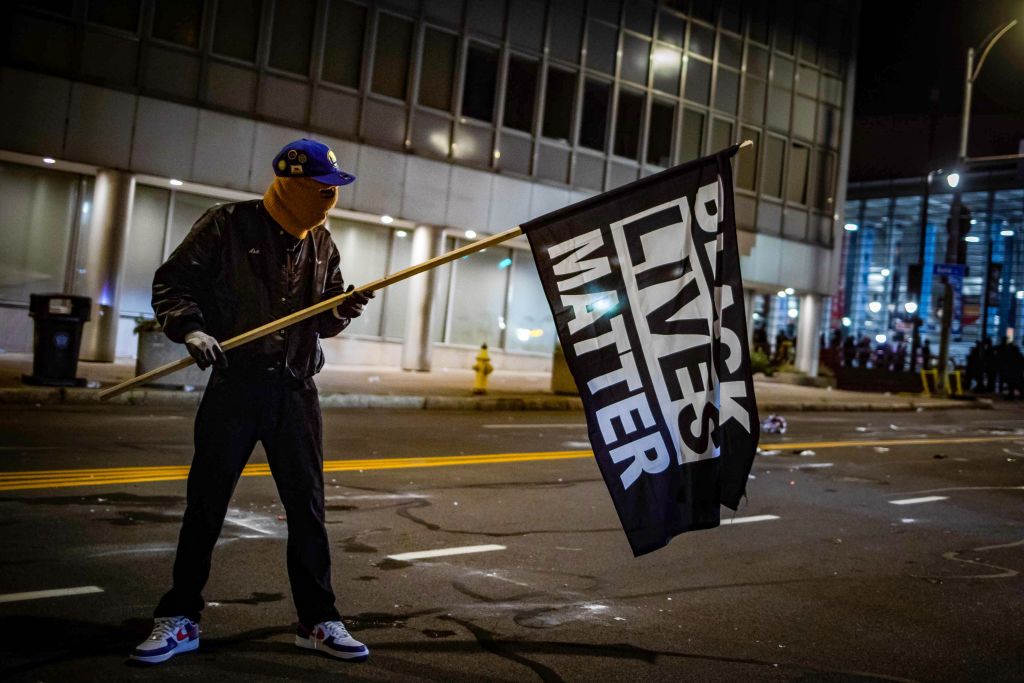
(954, 274)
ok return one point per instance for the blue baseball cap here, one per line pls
(310, 159)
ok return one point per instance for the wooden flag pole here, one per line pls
(325, 305)
(316, 309)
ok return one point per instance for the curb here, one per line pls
(164, 397)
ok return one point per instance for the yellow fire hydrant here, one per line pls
(483, 368)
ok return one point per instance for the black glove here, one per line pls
(352, 307)
(205, 350)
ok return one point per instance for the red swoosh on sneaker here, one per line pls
(181, 634)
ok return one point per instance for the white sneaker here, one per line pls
(331, 637)
(170, 636)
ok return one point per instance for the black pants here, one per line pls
(234, 414)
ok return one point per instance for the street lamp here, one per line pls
(953, 179)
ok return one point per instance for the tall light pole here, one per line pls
(954, 179)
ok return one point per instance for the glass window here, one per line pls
(558, 101)
(486, 17)
(391, 57)
(178, 21)
(481, 77)
(796, 182)
(757, 62)
(671, 29)
(659, 135)
(692, 141)
(635, 58)
(640, 17)
(825, 170)
(783, 23)
(698, 80)
(565, 43)
(364, 258)
(746, 174)
(779, 105)
(606, 10)
(627, 126)
(65, 7)
(237, 28)
(782, 72)
(702, 40)
(36, 215)
(530, 327)
(437, 67)
(602, 44)
(721, 135)
(442, 289)
(596, 105)
(753, 100)
(731, 16)
(292, 35)
(730, 51)
(727, 90)
(396, 297)
(704, 10)
(807, 81)
(758, 12)
(144, 251)
(520, 93)
(343, 51)
(771, 173)
(526, 24)
(122, 14)
(667, 65)
(479, 286)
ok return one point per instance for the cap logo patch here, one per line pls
(296, 169)
(330, 155)
(302, 158)
(292, 154)
(281, 164)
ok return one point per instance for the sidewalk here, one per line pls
(443, 389)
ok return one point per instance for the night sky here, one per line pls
(910, 75)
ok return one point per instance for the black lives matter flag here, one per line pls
(644, 285)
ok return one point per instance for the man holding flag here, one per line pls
(243, 265)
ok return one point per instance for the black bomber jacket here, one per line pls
(238, 269)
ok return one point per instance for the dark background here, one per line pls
(910, 76)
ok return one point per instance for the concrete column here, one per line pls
(807, 330)
(106, 244)
(426, 244)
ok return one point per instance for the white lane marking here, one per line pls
(811, 466)
(970, 488)
(745, 520)
(54, 593)
(565, 425)
(915, 501)
(443, 552)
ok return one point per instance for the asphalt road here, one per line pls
(820, 576)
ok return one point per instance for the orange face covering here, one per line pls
(299, 204)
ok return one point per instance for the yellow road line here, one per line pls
(44, 479)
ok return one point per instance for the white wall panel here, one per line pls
(162, 142)
(545, 198)
(469, 199)
(36, 125)
(222, 152)
(380, 177)
(510, 203)
(425, 197)
(100, 123)
(268, 142)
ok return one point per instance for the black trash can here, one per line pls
(58, 337)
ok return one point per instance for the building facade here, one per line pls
(896, 236)
(459, 118)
